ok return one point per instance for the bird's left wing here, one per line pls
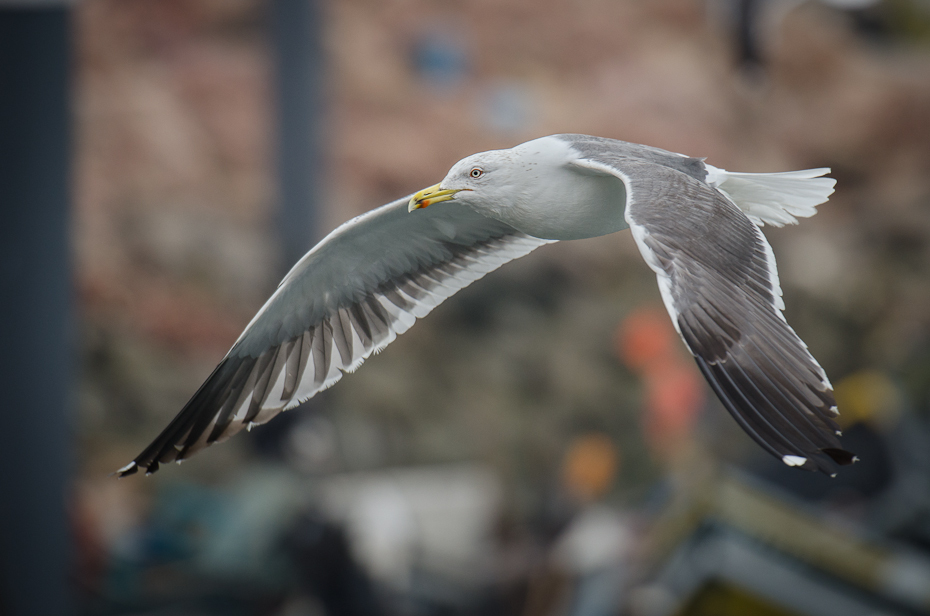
(349, 297)
(718, 280)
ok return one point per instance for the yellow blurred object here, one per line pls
(590, 465)
(721, 599)
(867, 396)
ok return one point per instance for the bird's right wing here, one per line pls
(349, 297)
(717, 275)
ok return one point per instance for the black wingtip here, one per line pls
(841, 456)
(130, 469)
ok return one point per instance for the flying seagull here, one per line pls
(697, 227)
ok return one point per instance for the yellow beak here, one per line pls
(429, 196)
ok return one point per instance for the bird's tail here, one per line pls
(774, 198)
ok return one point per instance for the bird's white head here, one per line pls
(498, 183)
(476, 181)
(533, 188)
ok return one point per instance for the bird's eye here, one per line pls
(476, 172)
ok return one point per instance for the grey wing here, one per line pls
(349, 297)
(718, 279)
(612, 151)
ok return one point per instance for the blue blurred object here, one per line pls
(441, 59)
(508, 107)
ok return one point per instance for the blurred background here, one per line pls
(540, 445)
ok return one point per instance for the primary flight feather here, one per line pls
(696, 226)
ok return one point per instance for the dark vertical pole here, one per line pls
(297, 30)
(35, 310)
(747, 26)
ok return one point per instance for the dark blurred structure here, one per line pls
(731, 545)
(326, 569)
(36, 333)
(297, 29)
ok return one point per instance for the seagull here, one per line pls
(697, 227)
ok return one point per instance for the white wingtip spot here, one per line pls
(855, 459)
(834, 410)
(839, 433)
(832, 475)
(794, 460)
(248, 426)
(126, 468)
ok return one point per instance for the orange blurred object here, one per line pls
(673, 397)
(674, 394)
(590, 465)
(645, 337)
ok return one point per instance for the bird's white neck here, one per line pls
(549, 198)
